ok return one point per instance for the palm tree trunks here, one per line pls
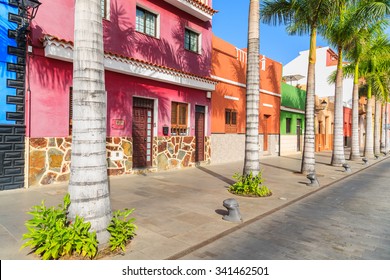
(251, 159)
(49, 157)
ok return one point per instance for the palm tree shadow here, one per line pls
(120, 37)
(279, 167)
(161, 51)
(323, 163)
(216, 175)
(294, 158)
(119, 34)
(273, 76)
